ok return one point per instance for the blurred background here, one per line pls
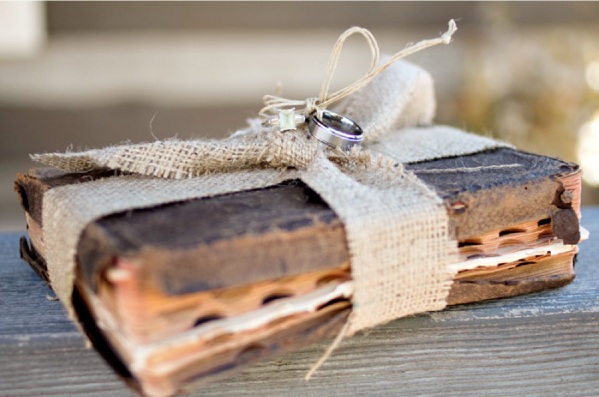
(80, 75)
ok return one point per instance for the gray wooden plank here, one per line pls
(536, 345)
(41, 351)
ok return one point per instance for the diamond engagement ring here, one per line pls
(335, 130)
(287, 120)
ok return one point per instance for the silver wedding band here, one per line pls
(335, 130)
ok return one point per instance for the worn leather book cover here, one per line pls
(206, 286)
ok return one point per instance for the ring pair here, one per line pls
(330, 128)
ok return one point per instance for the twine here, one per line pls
(274, 103)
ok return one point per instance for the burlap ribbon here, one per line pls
(396, 226)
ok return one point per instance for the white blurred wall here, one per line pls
(22, 28)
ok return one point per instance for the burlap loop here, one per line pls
(396, 226)
(408, 96)
(189, 159)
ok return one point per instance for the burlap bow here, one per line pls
(396, 227)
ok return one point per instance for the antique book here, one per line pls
(187, 292)
(186, 260)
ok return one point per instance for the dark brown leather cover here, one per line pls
(287, 229)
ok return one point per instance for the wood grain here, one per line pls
(536, 345)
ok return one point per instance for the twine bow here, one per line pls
(274, 103)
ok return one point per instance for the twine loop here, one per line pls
(273, 104)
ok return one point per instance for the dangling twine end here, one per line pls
(330, 349)
(446, 37)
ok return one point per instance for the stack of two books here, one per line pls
(184, 293)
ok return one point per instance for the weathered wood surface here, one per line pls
(544, 344)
